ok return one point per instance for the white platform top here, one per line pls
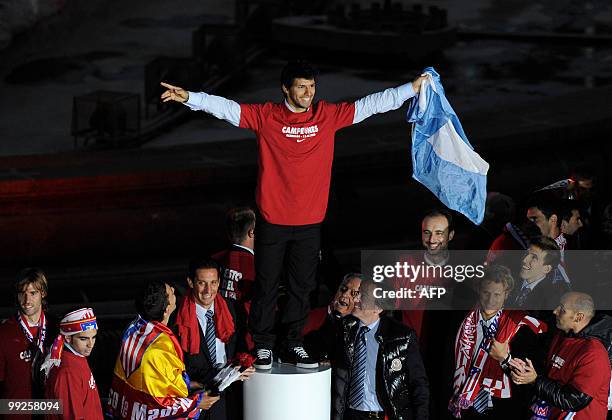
(289, 369)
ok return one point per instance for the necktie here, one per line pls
(483, 401)
(358, 370)
(210, 337)
(522, 297)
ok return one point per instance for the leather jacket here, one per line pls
(566, 397)
(402, 386)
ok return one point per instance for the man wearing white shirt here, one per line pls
(295, 139)
(206, 329)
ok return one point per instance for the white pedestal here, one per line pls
(286, 392)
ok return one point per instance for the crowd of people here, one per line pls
(529, 344)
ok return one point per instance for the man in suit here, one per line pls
(481, 380)
(206, 325)
(379, 371)
(537, 291)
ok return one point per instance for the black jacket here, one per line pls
(403, 393)
(600, 328)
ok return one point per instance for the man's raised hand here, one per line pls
(174, 93)
(416, 83)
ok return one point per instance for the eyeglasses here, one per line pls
(344, 289)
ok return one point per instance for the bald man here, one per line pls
(577, 379)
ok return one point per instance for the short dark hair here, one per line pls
(202, 264)
(529, 229)
(547, 204)
(566, 207)
(297, 69)
(498, 274)
(238, 222)
(552, 254)
(441, 212)
(152, 302)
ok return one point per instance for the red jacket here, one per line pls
(584, 364)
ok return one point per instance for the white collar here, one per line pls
(372, 326)
(32, 325)
(489, 321)
(201, 311)
(245, 247)
(292, 109)
(72, 350)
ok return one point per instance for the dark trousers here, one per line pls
(289, 250)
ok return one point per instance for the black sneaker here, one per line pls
(299, 357)
(264, 359)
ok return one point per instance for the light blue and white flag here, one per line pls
(442, 157)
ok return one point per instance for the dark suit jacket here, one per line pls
(540, 303)
(544, 297)
(198, 366)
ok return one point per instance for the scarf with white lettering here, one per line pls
(42, 330)
(474, 369)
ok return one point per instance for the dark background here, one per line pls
(104, 211)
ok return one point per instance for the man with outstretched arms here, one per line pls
(295, 139)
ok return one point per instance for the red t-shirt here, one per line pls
(296, 151)
(237, 273)
(582, 363)
(15, 363)
(73, 383)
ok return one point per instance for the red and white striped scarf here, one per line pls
(476, 370)
(42, 330)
